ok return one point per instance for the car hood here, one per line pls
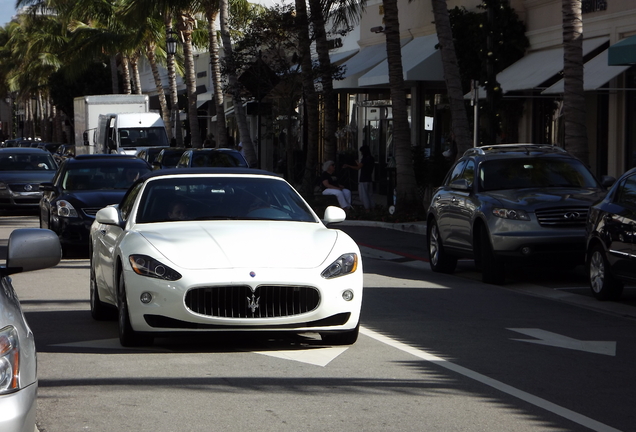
(30, 176)
(214, 244)
(548, 197)
(95, 198)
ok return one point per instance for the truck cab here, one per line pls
(128, 132)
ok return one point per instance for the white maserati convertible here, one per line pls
(224, 249)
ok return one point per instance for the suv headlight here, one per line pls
(9, 360)
(347, 263)
(144, 265)
(64, 208)
(511, 214)
(3, 186)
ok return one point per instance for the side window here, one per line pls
(469, 172)
(456, 172)
(127, 203)
(627, 193)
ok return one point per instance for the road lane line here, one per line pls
(498, 385)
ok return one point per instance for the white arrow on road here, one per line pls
(557, 340)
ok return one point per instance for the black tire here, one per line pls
(341, 338)
(602, 283)
(493, 270)
(100, 311)
(127, 336)
(439, 260)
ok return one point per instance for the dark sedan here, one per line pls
(221, 157)
(611, 240)
(168, 158)
(83, 185)
(22, 170)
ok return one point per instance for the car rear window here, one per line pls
(535, 172)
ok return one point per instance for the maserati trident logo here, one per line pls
(252, 303)
(572, 215)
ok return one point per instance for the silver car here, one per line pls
(511, 203)
(28, 249)
(22, 170)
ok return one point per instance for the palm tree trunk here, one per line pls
(186, 26)
(239, 112)
(215, 66)
(326, 77)
(136, 79)
(310, 98)
(113, 74)
(452, 76)
(406, 187)
(574, 95)
(174, 95)
(165, 113)
(126, 70)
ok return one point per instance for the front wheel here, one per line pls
(603, 284)
(439, 260)
(127, 336)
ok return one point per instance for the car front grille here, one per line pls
(267, 301)
(565, 217)
(24, 187)
(91, 211)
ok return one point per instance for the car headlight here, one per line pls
(9, 360)
(64, 208)
(144, 265)
(3, 186)
(511, 214)
(347, 263)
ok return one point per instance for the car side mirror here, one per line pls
(461, 184)
(334, 214)
(85, 138)
(607, 181)
(31, 249)
(111, 144)
(108, 216)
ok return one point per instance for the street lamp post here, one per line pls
(171, 49)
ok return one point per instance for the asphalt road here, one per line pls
(436, 352)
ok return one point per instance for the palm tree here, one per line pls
(405, 176)
(574, 94)
(186, 25)
(452, 76)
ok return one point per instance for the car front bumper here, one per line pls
(167, 312)
(19, 410)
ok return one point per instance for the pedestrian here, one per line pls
(331, 186)
(365, 182)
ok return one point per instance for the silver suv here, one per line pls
(505, 203)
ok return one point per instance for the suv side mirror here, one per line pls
(461, 184)
(607, 181)
(111, 144)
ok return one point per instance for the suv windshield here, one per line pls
(534, 173)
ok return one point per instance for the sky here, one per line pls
(7, 10)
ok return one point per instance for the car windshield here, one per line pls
(101, 177)
(221, 198)
(534, 173)
(23, 162)
(216, 159)
(143, 137)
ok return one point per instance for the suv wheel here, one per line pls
(439, 260)
(492, 267)
(604, 286)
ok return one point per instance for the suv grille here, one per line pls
(566, 217)
(240, 302)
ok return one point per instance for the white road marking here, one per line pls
(544, 337)
(498, 385)
(315, 356)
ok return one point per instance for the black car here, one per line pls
(149, 154)
(22, 170)
(83, 185)
(212, 157)
(611, 239)
(168, 158)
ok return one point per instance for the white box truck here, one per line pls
(88, 108)
(129, 132)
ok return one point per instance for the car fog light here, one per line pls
(145, 297)
(347, 295)
(526, 250)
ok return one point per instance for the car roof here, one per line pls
(106, 159)
(221, 149)
(23, 150)
(498, 151)
(207, 170)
